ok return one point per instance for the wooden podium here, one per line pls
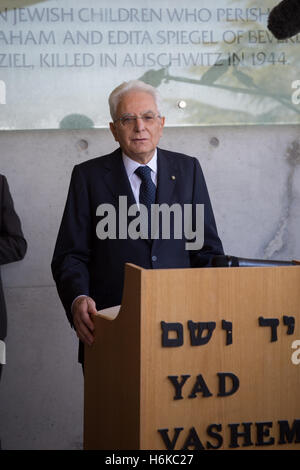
(197, 359)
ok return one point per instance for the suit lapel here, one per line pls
(166, 182)
(116, 178)
(166, 178)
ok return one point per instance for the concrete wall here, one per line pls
(253, 175)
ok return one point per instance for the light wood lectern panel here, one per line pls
(197, 359)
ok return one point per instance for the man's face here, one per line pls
(137, 138)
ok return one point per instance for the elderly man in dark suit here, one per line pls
(13, 247)
(88, 266)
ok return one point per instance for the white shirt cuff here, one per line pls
(82, 295)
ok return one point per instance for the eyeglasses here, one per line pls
(129, 120)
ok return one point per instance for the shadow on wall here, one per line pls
(76, 121)
(9, 5)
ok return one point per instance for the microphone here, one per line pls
(284, 19)
(226, 261)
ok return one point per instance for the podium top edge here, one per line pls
(135, 266)
(218, 268)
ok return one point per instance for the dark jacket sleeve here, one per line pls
(212, 244)
(13, 245)
(70, 263)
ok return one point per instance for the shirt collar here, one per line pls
(132, 165)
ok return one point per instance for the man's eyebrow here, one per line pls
(144, 112)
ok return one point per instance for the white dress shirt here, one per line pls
(134, 179)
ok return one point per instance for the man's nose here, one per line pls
(139, 124)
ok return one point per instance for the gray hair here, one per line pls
(126, 87)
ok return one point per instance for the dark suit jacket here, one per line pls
(83, 264)
(12, 242)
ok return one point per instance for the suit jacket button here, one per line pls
(154, 258)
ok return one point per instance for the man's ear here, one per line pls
(162, 123)
(113, 131)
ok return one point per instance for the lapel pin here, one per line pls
(173, 177)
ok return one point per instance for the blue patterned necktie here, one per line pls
(147, 191)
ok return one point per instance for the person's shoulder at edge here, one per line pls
(3, 179)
